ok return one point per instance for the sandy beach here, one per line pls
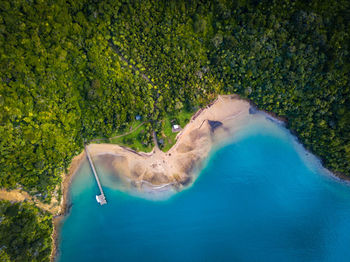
(178, 166)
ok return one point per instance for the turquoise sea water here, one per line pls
(259, 198)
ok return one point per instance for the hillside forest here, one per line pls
(73, 71)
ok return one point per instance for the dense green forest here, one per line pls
(25, 232)
(74, 70)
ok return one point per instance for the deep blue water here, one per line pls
(259, 198)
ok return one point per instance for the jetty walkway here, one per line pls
(100, 198)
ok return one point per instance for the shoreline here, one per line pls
(208, 127)
(338, 176)
(64, 205)
(284, 120)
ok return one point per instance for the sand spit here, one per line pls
(177, 166)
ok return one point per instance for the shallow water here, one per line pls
(259, 198)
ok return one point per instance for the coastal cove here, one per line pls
(174, 131)
(253, 191)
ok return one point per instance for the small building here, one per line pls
(138, 117)
(176, 128)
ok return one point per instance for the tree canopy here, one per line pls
(74, 70)
(25, 232)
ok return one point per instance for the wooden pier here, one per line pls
(99, 198)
